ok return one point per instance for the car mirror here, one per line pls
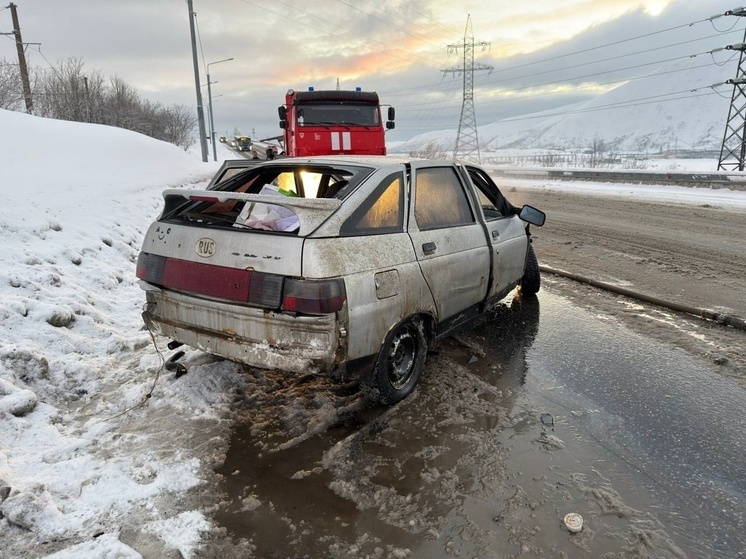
(532, 215)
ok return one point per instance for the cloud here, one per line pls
(544, 54)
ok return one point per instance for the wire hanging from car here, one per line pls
(157, 373)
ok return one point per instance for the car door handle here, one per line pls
(495, 233)
(428, 248)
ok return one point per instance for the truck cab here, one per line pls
(334, 123)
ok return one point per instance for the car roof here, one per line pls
(372, 161)
(375, 161)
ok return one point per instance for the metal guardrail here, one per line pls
(707, 180)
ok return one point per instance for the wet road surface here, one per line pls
(673, 421)
(542, 410)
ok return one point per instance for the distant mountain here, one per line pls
(673, 108)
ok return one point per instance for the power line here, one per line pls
(199, 40)
(614, 43)
(49, 64)
(504, 80)
(620, 81)
(624, 104)
(565, 68)
(557, 82)
(621, 105)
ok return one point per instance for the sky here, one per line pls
(543, 55)
(104, 454)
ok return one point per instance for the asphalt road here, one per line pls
(689, 254)
(693, 254)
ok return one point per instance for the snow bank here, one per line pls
(74, 357)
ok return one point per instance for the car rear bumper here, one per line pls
(257, 337)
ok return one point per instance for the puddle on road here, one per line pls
(465, 467)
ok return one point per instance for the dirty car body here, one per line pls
(339, 265)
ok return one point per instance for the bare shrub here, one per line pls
(596, 152)
(11, 95)
(634, 163)
(66, 92)
(431, 150)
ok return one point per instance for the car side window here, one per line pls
(382, 212)
(494, 205)
(440, 200)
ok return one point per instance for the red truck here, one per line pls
(334, 122)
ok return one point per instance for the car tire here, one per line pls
(399, 364)
(531, 280)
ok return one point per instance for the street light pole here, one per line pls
(209, 96)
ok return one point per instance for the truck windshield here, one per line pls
(323, 114)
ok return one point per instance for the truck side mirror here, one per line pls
(283, 112)
(392, 114)
(390, 125)
(283, 124)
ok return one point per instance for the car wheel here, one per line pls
(531, 280)
(399, 365)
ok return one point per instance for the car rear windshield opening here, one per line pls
(280, 181)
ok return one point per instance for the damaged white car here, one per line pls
(338, 265)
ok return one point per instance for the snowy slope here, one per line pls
(673, 108)
(73, 353)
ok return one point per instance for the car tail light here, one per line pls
(265, 290)
(150, 267)
(314, 297)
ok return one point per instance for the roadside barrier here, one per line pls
(720, 318)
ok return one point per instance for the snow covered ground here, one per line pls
(100, 454)
(73, 354)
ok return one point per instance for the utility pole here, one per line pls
(209, 97)
(467, 142)
(200, 110)
(733, 149)
(21, 59)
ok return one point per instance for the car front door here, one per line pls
(506, 231)
(449, 242)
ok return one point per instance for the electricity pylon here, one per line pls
(467, 141)
(733, 150)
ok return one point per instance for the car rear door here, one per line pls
(450, 244)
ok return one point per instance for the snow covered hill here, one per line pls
(673, 108)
